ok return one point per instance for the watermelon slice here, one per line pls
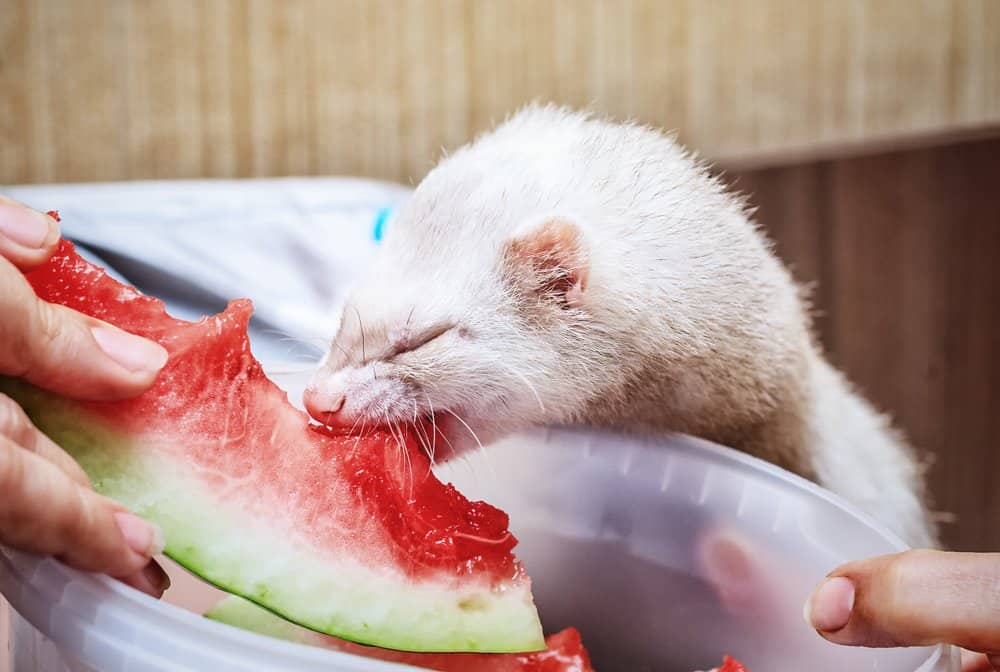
(565, 651)
(349, 536)
(730, 664)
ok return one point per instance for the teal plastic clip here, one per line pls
(380, 220)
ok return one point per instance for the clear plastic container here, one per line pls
(665, 553)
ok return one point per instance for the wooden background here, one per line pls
(126, 89)
(781, 93)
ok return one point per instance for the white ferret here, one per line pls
(567, 270)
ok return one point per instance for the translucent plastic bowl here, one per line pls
(665, 553)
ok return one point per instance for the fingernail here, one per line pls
(829, 607)
(142, 536)
(25, 226)
(156, 577)
(133, 352)
(151, 580)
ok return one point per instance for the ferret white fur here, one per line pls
(564, 269)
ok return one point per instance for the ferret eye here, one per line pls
(429, 335)
(407, 340)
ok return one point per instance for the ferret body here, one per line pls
(566, 270)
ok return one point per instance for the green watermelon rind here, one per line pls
(204, 535)
(246, 615)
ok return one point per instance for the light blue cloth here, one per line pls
(292, 245)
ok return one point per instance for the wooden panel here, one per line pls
(16, 118)
(964, 204)
(790, 202)
(125, 89)
(165, 88)
(889, 287)
(70, 90)
(906, 248)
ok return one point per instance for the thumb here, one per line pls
(913, 598)
(67, 352)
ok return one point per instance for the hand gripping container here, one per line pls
(665, 553)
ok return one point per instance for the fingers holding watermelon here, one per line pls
(49, 507)
(47, 504)
(47, 510)
(55, 347)
(15, 426)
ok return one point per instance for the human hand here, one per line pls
(48, 505)
(914, 598)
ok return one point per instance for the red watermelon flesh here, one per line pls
(351, 536)
(730, 664)
(564, 653)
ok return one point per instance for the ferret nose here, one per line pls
(323, 406)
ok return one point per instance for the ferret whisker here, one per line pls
(290, 368)
(426, 441)
(387, 424)
(421, 433)
(400, 435)
(490, 464)
(305, 340)
(448, 441)
(469, 466)
(434, 429)
(361, 328)
(354, 425)
(286, 336)
(466, 425)
(524, 379)
(341, 348)
(357, 439)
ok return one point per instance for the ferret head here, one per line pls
(475, 310)
(526, 282)
(472, 336)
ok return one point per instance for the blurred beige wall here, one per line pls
(127, 89)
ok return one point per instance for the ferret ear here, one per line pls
(551, 258)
